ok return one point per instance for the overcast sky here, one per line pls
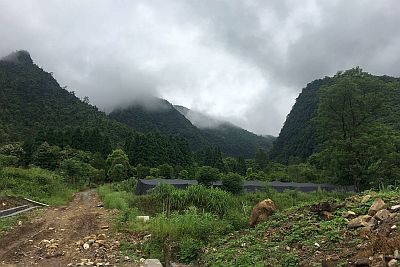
(245, 61)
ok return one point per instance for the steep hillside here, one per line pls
(298, 138)
(32, 100)
(161, 117)
(165, 118)
(227, 135)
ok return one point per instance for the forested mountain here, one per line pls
(34, 106)
(299, 138)
(175, 121)
(229, 137)
(34, 109)
(160, 117)
(31, 100)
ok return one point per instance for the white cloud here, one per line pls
(244, 61)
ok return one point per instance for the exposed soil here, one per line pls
(71, 235)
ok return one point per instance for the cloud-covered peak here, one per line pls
(244, 61)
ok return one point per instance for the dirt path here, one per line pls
(70, 235)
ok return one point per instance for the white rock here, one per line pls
(395, 208)
(396, 254)
(86, 246)
(143, 218)
(392, 263)
(152, 263)
(317, 245)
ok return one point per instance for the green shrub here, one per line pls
(35, 183)
(206, 175)
(116, 200)
(232, 182)
(212, 200)
(189, 249)
(185, 233)
(8, 161)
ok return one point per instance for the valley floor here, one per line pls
(70, 235)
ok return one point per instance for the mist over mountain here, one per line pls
(32, 100)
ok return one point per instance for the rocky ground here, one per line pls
(73, 235)
(362, 230)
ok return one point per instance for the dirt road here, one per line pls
(71, 235)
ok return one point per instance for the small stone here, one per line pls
(327, 215)
(51, 228)
(362, 262)
(396, 254)
(100, 242)
(105, 227)
(317, 245)
(392, 263)
(287, 248)
(395, 208)
(126, 258)
(143, 218)
(90, 263)
(91, 241)
(360, 221)
(86, 246)
(152, 263)
(349, 214)
(19, 223)
(393, 227)
(382, 215)
(102, 236)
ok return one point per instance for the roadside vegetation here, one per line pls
(184, 223)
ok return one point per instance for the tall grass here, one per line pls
(34, 183)
(183, 233)
(212, 200)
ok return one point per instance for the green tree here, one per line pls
(47, 156)
(355, 143)
(206, 175)
(232, 182)
(142, 171)
(166, 171)
(183, 174)
(260, 159)
(118, 165)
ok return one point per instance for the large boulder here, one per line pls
(376, 206)
(262, 211)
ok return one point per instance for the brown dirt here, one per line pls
(7, 202)
(56, 237)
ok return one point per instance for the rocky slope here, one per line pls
(361, 231)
